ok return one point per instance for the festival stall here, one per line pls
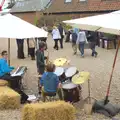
(14, 27)
(106, 23)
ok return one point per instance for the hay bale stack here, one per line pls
(3, 83)
(58, 110)
(9, 99)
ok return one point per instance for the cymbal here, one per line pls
(60, 61)
(81, 77)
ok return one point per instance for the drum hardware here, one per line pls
(47, 58)
(81, 78)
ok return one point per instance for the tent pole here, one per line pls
(9, 51)
(108, 89)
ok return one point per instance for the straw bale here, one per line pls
(9, 99)
(3, 82)
(57, 110)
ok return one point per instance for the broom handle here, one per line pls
(108, 89)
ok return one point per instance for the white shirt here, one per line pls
(81, 37)
(56, 34)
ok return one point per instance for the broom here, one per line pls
(109, 85)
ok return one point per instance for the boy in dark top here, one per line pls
(40, 58)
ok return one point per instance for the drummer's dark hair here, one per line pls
(42, 44)
(3, 52)
(50, 67)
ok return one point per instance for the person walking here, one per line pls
(56, 37)
(62, 33)
(92, 38)
(81, 40)
(74, 39)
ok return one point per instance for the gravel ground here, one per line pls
(99, 69)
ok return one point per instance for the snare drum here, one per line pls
(70, 72)
(70, 91)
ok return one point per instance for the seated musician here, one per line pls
(50, 82)
(40, 58)
(5, 70)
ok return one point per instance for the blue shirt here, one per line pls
(50, 82)
(4, 67)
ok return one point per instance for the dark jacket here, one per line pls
(60, 28)
(40, 61)
(92, 36)
(74, 37)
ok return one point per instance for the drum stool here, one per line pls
(50, 96)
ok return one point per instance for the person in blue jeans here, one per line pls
(92, 38)
(81, 40)
(50, 82)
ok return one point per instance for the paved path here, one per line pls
(99, 68)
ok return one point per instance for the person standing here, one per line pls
(81, 39)
(31, 44)
(28, 47)
(68, 35)
(44, 39)
(56, 36)
(74, 39)
(62, 33)
(92, 38)
(20, 45)
(40, 58)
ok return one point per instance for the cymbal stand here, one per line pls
(89, 93)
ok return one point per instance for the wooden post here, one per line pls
(9, 51)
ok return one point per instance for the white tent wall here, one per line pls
(14, 27)
(108, 23)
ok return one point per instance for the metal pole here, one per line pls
(89, 91)
(9, 51)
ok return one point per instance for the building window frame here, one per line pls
(67, 1)
(83, 0)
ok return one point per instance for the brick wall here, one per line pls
(52, 19)
(29, 17)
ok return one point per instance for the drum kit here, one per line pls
(71, 80)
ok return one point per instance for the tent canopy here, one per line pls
(14, 27)
(108, 23)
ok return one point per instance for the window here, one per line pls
(68, 1)
(82, 0)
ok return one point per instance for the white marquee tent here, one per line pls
(14, 27)
(107, 23)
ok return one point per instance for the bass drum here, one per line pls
(70, 92)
